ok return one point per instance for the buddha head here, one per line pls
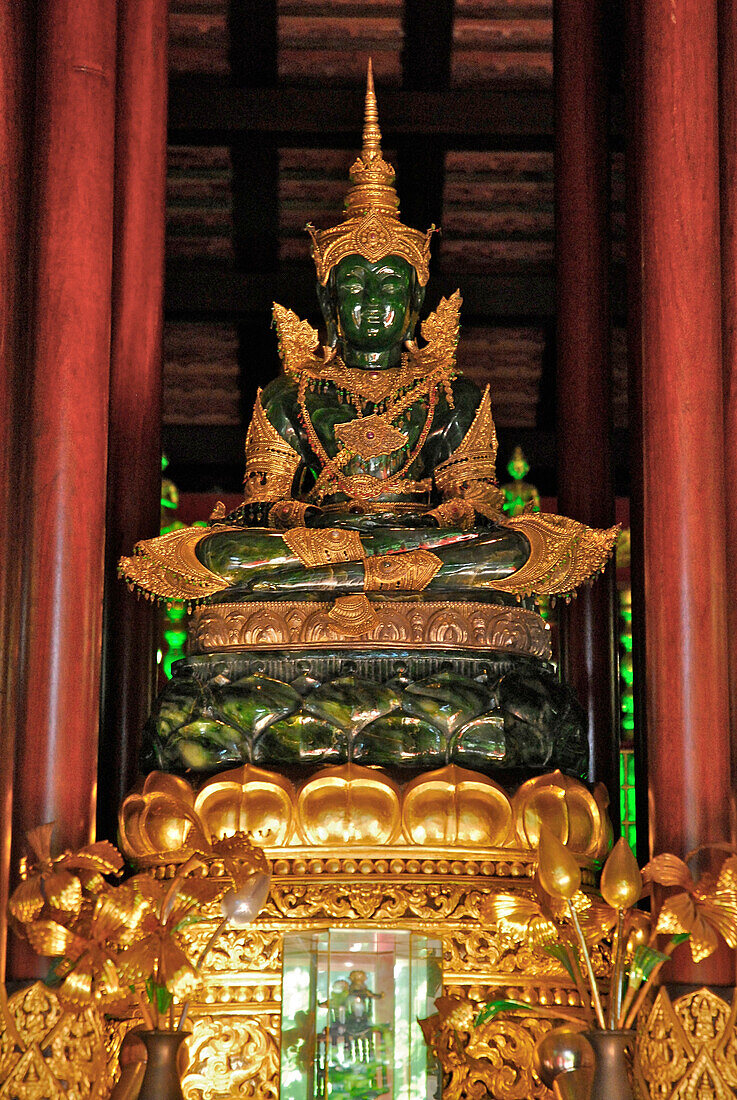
(371, 308)
(371, 269)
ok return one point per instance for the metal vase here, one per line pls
(611, 1073)
(161, 1080)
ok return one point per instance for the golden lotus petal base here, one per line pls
(384, 623)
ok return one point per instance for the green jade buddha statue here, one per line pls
(371, 525)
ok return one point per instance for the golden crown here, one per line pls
(371, 227)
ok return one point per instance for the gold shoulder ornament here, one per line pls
(469, 473)
(563, 554)
(167, 567)
(475, 457)
(297, 339)
(270, 461)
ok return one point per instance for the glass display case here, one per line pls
(350, 1005)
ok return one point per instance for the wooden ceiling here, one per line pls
(265, 115)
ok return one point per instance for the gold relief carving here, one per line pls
(233, 1056)
(169, 568)
(456, 806)
(687, 1048)
(324, 546)
(494, 1059)
(48, 1050)
(383, 901)
(270, 462)
(484, 951)
(411, 571)
(378, 623)
(563, 554)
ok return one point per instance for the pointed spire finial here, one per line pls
(371, 131)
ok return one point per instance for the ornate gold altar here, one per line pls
(349, 848)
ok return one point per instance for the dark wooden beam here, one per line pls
(205, 109)
(200, 289)
(194, 289)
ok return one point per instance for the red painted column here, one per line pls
(728, 205)
(64, 505)
(585, 481)
(16, 90)
(134, 451)
(683, 498)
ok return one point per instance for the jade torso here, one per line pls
(328, 408)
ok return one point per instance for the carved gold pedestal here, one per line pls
(351, 849)
(687, 1048)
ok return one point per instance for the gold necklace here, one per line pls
(363, 386)
(361, 487)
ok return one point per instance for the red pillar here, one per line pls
(134, 451)
(16, 89)
(728, 206)
(64, 505)
(683, 521)
(586, 489)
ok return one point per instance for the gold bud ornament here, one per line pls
(621, 881)
(560, 874)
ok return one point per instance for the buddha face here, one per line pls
(374, 302)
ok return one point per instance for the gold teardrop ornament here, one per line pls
(370, 436)
(621, 881)
(560, 874)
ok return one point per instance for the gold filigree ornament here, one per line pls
(370, 436)
(388, 389)
(454, 513)
(563, 554)
(475, 457)
(288, 513)
(315, 546)
(371, 227)
(167, 567)
(352, 616)
(411, 571)
(492, 1059)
